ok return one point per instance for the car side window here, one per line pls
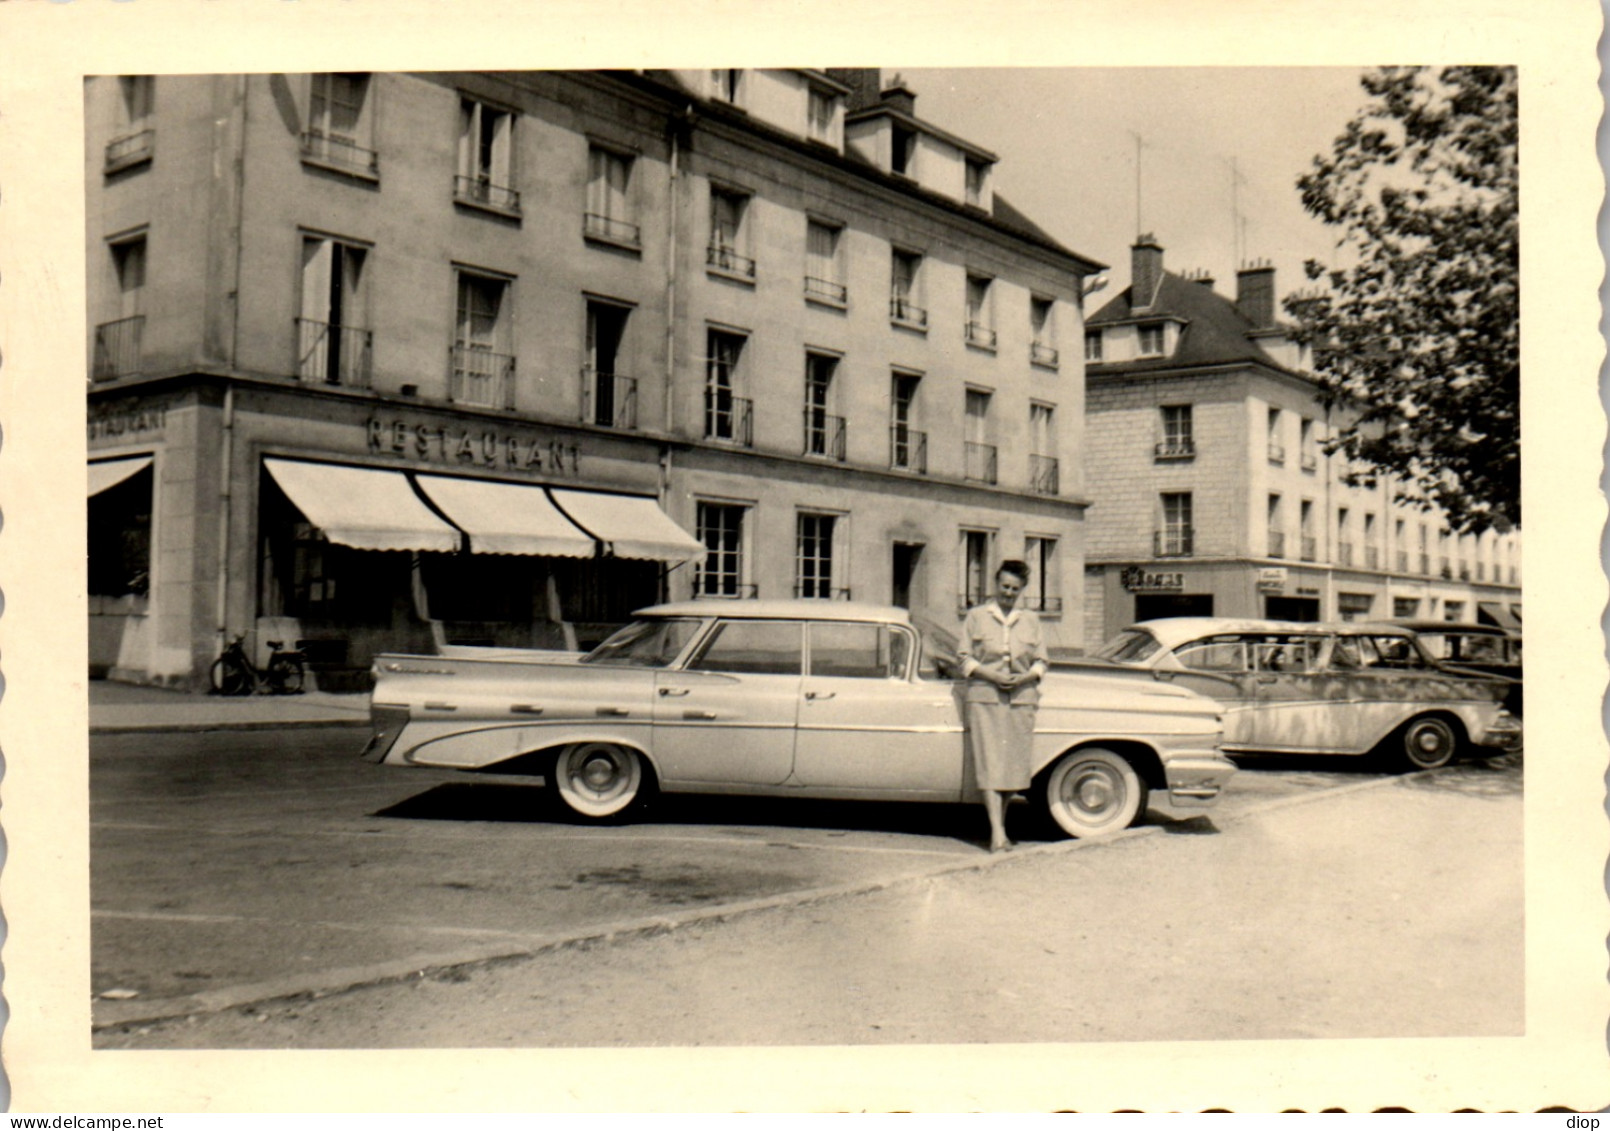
(1287, 654)
(763, 647)
(1216, 654)
(1396, 652)
(867, 651)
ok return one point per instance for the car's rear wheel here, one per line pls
(1427, 743)
(1092, 791)
(598, 779)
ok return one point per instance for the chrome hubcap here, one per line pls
(1430, 741)
(599, 773)
(1093, 792)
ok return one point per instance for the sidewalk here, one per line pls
(115, 707)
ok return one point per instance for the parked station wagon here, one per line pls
(787, 698)
(1324, 688)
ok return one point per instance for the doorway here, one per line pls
(906, 587)
(1304, 609)
(1153, 606)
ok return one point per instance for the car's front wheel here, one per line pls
(1092, 791)
(598, 779)
(1427, 743)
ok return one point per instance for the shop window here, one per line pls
(119, 534)
(486, 157)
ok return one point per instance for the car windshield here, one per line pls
(1131, 646)
(645, 643)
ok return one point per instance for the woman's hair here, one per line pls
(1015, 567)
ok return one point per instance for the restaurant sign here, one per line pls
(477, 447)
(145, 421)
(1272, 580)
(1138, 580)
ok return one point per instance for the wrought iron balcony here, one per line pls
(728, 418)
(725, 258)
(1042, 354)
(333, 354)
(980, 462)
(979, 334)
(608, 399)
(906, 312)
(595, 226)
(480, 377)
(1174, 542)
(129, 151)
(826, 290)
(908, 449)
(1277, 544)
(824, 435)
(481, 191)
(340, 152)
(1175, 449)
(117, 348)
(821, 590)
(1310, 548)
(1043, 475)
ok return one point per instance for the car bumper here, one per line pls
(1195, 780)
(1504, 733)
(386, 723)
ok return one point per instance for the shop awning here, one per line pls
(105, 475)
(1499, 615)
(632, 525)
(361, 507)
(508, 518)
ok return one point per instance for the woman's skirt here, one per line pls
(1002, 740)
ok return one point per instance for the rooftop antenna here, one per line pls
(1238, 223)
(1139, 145)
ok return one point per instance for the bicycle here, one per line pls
(233, 673)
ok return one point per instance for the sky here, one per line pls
(1066, 142)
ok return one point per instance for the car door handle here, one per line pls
(524, 709)
(698, 714)
(612, 712)
(678, 691)
(1266, 679)
(820, 694)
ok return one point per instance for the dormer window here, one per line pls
(820, 114)
(1092, 345)
(727, 85)
(977, 182)
(1151, 339)
(903, 151)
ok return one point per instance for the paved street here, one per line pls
(236, 867)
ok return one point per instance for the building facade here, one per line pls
(1213, 491)
(385, 361)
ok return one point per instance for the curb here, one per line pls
(115, 1015)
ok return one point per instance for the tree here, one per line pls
(1416, 330)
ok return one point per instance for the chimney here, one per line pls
(1255, 294)
(865, 84)
(1201, 277)
(1145, 271)
(899, 96)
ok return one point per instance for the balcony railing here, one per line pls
(904, 311)
(1344, 553)
(1310, 462)
(824, 435)
(342, 152)
(1277, 544)
(1310, 548)
(117, 348)
(607, 228)
(126, 152)
(908, 449)
(725, 258)
(979, 334)
(1174, 542)
(1043, 475)
(480, 190)
(728, 418)
(980, 462)
(1037, 604)
(1277, 452)
(480, 377)
(608, 399)
(1042, 354)
(333, 354)
(1175, 449)
(1372, 557)
(826, 290)
(722, 585)
(821, 590)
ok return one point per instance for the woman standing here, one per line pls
(1002, 658)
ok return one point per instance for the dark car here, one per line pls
(1480, 648)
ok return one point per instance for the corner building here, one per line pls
(385, 361)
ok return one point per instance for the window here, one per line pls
(1305, 445)
(908, 447)
(1151, 339)
(905, 289)
(1042, 332)
(1305, 522)
(980, 312)
(1044, 590)
(753, 647)
(821, 115)
(1215, 654)
(117, 340)
(608, 396)
(1176, 536)
(340, 124)
(859, 651)
(485, 157)
(1178, 441)
(723, 570)
(729, 234)
(1344, 537)
(979, 453)
(903, 151)
(119, 537)
(727, 85)
(726, 416)
(1372, 553)
(1277, 450)
(333, 339)
(1425, 549)
(824, 272)
(813, 557)
(977, 182)
(1405, 608)
(1093, 345)
(609, 215)
(824, 432)
(1043, 464)
(1276, 524)
(1354, 606)
(133, 140)
(975, 562)
(483, 367)
(1399, 539)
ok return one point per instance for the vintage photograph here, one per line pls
(789, 578)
